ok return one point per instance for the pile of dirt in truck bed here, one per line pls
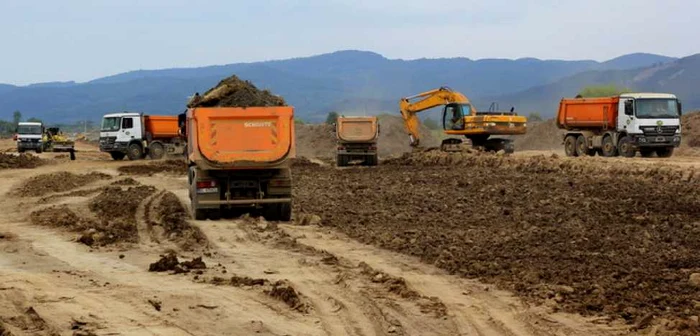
(319, 140)
(163, 166)
(41, 185)
(619, 243)
(11, 161)
(541, 135)
(234, 92)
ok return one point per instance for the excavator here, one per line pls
(459, 117)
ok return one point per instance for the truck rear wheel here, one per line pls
(135, 152)
(664, 152)
(625, 147)
(341, 161)
(582, 147)
(371, 160)
(570, 145)
(609, 149)
(156, 151)
(278, 212)
(199, 214)
(117, 156)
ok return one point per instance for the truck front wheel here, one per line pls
(570, 145)
(117, 156)
(135, 152)
(609, 149)
(664, 152)
(625, 147)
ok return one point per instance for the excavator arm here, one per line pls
(410, 107)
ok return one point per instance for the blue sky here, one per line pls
(48, 40)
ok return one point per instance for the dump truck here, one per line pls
(137, 136)
(356, 140)
(29, 136)
(648, 123)
(239, 158)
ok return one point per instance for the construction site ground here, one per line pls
(530, 244)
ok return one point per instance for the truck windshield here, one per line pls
(657, 108)
(28, 129)
(111, 123)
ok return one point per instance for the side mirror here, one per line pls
(629, 110)
(680, 108)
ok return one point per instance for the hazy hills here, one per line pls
(355, 82)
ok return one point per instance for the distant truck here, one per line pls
(621, 125)
(240, 158)
(30, 136)
(357, 140)
(136, 136)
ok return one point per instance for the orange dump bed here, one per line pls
(356, 129)
(588, 113)
(228, 135)
(161, 126)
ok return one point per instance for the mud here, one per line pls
(177, 167)
(10, 161)
(234, 92)
(172, 216)
(169, 262)
(584, 236)
(280, 290)
(57, 182)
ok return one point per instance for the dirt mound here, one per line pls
(281, 290)
(542, 135)
(172, 217)
(690, 127)
(57, 182)
(393, 139)
(303, 161)
(11, 161)
(315, 141)
(92, 233)
(164, 166)
(582, 235)
(126, 182)
(169, 262)
(234, 92)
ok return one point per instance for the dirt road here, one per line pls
(261, 278)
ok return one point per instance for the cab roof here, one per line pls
(122, 114)
(648, 95)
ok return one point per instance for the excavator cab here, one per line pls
(453, 116)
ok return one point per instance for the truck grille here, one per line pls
(108, 140)
(659, 130)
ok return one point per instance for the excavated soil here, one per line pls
(165, 166)
(281, 290)
(172, 216)
(10, 161)
(542, 135)
(169, 262)
(585, 236)
(57, 182)
(234, 92)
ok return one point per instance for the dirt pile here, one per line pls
(281, 290)
(169, 262)
(126, 182)
(551, 230)
(177, 167)
(690, 127)
(57, 182)
(11, 161)
(315, 141)
(234, 92)
(541, 135)
(172, 216)
(393, 139)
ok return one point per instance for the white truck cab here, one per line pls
(652, 121)
(30, 136)
(121, 132)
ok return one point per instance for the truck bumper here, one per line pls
(356, 153)
(113, 147)
(29, 145)
(245, 202)
(657, 141)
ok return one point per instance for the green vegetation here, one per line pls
(534, 116)
(331, 118)
(602, 91)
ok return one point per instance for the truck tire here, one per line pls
(609, 149)
(285, 212)
(664, 152)
(38, 150)
(135, 152)
(156, 151)
(624, 146)
(570, 145)
(341, 161)
(20, 150)
(646, 152)
(199, 214)
(117, 156)
(582, 147)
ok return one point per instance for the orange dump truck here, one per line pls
(648, 123)
(357, 140)
(240, 158)
(136, 135)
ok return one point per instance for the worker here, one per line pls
(457, 121)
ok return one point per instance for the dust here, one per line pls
(24, 160)
(234, 92)
(57, 182)
(177, 167)
(624, 239)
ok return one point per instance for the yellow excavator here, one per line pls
(459, 117)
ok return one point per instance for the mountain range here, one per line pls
(358, 82)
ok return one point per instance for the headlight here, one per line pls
(642, 140)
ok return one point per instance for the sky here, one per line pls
(80, 40)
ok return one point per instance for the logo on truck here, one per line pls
(257, 124)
